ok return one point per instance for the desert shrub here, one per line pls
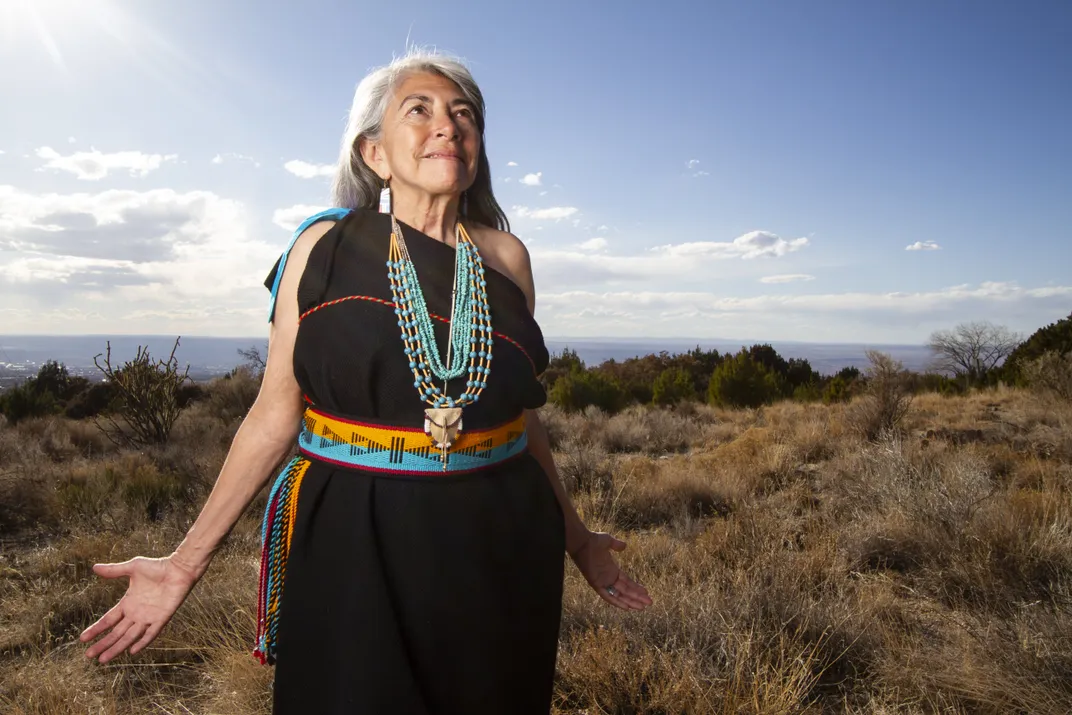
(96, 398)
(24, 402)
(25, 501)
(837, 390)
(1051, 372)
(148, 393)
(557, 423)
(1055, 337)
(769, 358)
(887, 397)
(189, 393)
(104, 490)
(560, 365)
(740, 381)
(54, 379)
(649, 430)
(584, 467)
(801, 379)
(647, 496)
(230, 397)
(582, 388)
(672, 386)
(51, 391)
(150, 493)
(808, 392)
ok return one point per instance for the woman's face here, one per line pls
(430, 139)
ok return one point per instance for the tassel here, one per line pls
(276, 533)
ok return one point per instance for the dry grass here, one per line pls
(796, 567)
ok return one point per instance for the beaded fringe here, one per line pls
(276, 532)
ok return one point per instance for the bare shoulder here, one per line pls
(309, 237)
(507, 254)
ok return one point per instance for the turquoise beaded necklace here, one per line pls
(469, 334)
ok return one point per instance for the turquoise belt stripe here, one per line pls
(395, 457)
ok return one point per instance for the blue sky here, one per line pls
(752, 170)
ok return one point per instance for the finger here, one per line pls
(113, 570)
(625, 600)
(613, 594)
(628, 594)
(133, 633)
(109, 619)
(105, 642)
(617, 544)
(616, 600)
(633, 590)
(146, 639)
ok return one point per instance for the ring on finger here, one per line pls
(612, 591)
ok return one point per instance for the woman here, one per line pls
(419, 532)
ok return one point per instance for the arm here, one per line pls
(577, 533)
(268, 430)
(158, 586)
(589, 550)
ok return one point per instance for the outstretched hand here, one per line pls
(597, 563)
(157, 589)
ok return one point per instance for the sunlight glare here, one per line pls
(51, 22)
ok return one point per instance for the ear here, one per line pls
(375, 158)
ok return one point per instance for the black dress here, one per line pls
(414, 595)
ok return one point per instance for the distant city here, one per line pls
(21, 356)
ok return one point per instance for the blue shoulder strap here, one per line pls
(327, 215)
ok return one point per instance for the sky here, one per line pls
(766, 170)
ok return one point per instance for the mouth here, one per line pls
(443, 155)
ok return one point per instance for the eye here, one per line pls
(417, 109)
(464, 112)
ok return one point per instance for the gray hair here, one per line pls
(357, 186)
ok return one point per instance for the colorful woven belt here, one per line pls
(406, 450)
(391, 450)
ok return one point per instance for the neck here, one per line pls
(435, 216)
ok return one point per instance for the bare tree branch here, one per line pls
(972, 350)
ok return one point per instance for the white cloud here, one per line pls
(511, 163)
(671, 267)
(553, 213)
(841, 317)
(603, 227)
(71, 140)
(64, 269)
(593, 244)
(923, 246)
(292, 216)
(232, 156)
(750, 245)
(787, 278)
(305, 170)
(701, 173)
(693, 163)
(130, 261)
(531, 179)
(94, 165)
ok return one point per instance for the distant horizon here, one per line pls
(213, 355)
(547, 338)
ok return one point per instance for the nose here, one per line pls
(446, 127)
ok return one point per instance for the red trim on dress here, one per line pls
(440, 318)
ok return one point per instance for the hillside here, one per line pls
(795, 566)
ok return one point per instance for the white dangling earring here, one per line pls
(385, 198)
